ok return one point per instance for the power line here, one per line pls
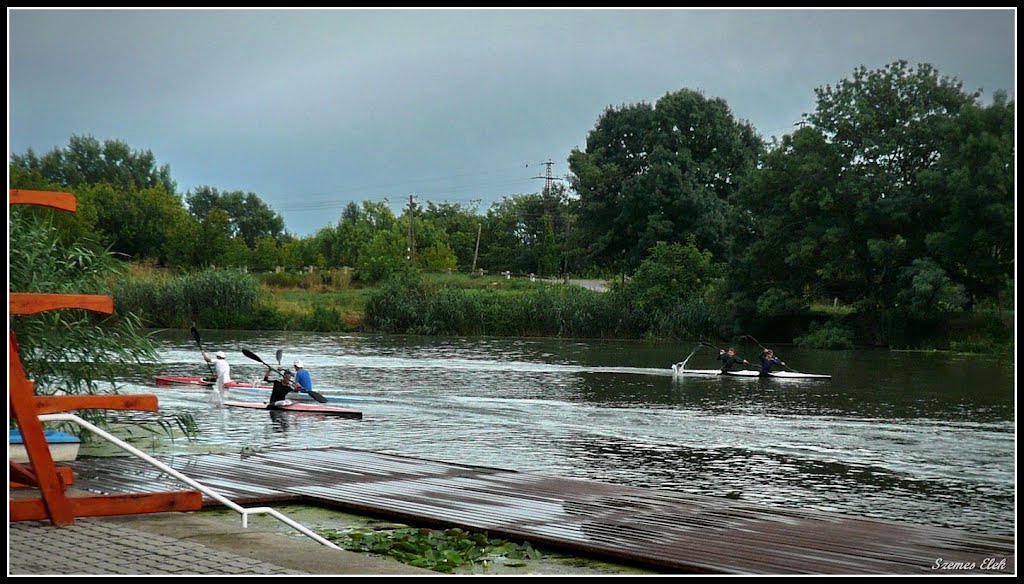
(404, 185)
(441, 194)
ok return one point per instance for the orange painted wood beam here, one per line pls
(22, 476)
(23, 409)
(55, 200)
(52, 404)
(25, 303)
(107, 505)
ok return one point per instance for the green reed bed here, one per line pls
(212, 299)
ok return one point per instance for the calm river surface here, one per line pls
(916, 437)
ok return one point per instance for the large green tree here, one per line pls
(356, 229)
(137, 223)
(86, 160)
(972, 190)
(660, 173)
(461, 223)
(249, 217)
(793, 238)
(527, 233)
(863, 206)
(125, 200)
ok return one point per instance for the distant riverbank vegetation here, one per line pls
(886, 218)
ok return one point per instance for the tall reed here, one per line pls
(212, 298)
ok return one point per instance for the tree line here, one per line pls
(891, 210)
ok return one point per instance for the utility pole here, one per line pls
(479, 228)
(548, 177)
(550, 206)
(410, 249)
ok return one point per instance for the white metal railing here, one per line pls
(198, 486)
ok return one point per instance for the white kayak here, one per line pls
(751, 373)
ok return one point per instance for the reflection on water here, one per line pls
(923, 438)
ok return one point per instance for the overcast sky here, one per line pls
(311, 109)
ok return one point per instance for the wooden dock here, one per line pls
(675, 532)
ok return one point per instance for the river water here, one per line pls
(917, 437)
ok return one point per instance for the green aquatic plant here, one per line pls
(438, 550)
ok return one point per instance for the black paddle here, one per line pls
(764, 349)
(707, 344)
(195, 335)
(313, 394)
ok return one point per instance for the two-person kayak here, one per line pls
(678, 371)
(305, 408)
(252, 388)
(184, 380)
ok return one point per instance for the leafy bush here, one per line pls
(398, 306)
(382, 258)
(323, 319)
(441, 551)
(927, 289)
(827, 336)
(281, 279)
(267, 318)
(669, 274)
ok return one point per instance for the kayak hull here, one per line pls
(242, 386)
(746, 373)
(182, 380)
(300, 407)
(63, 446)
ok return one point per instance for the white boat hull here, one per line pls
(747, 373)
(63, 446)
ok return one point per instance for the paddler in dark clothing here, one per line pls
(769, 360)
(729, 359)
(282, 387)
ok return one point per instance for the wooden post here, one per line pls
(479, 228)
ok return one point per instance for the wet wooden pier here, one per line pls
(675, 532)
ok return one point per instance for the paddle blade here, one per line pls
(317, 396)
(195, 335)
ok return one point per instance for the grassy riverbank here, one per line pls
(464, 305)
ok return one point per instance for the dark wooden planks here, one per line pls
(679, 532)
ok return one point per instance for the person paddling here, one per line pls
(282, 387)
(769, 360)
(729, 359)
(302, 377)
(223, 371)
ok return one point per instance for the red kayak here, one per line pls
(258, 389)
(174, 379)
(297, 407)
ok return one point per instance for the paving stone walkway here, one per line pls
(39, 548)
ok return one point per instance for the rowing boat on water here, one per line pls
(183, 380)
(253, 388)
(678, 371)
(300, 407)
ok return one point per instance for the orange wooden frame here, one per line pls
(41, 472)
